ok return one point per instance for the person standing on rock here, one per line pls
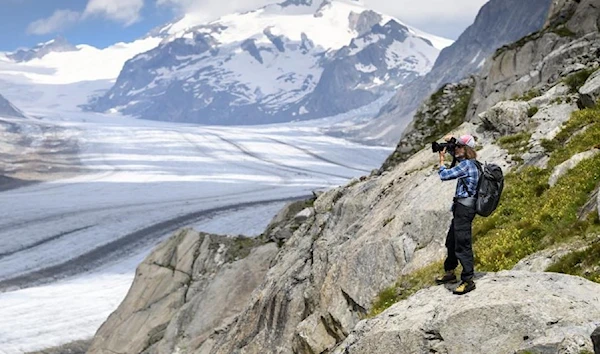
(459, 241)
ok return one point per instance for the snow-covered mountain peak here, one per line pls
(330, 24)
(298, 59)
(57, 45)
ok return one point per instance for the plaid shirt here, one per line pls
(465, 171)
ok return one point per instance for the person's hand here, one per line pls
(448, 137)
(442, 155)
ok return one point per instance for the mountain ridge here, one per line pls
(269, 65)
(498, 22)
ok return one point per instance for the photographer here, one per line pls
(459, 240)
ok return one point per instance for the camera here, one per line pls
(449, 146)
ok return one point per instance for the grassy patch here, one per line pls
(576, 80)
(240, 247)
(529, 95)
(406, 286)
(533, 216)
(549, 145)
(515, 144)
(563, 31)
(532, 111)
(585, 263)
(589, 118)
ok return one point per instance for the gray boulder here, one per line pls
(568, 165)
(507, 117)
(508, 312)
(590, 91)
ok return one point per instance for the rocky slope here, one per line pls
(510, 312)
(568, 44)
(291, 61)
(362, 247)
(499, 22)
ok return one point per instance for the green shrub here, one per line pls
(584, 263)
(549, 145)
(576, 80)
(532, 111)
(529, 95)
(563, 31)
(515, 144)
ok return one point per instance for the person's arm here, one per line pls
(460, 171)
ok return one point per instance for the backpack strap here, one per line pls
(480, 169)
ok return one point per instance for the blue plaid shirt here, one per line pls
(467, 171)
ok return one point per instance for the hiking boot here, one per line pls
(465, 287)
(448, 277)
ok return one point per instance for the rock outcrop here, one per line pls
(590, 91)
(510, 312)
(540, 60)
(355, 241)
(507, 117)
(187, 288)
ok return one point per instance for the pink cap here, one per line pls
(466, 140)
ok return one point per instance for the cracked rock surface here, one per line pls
(189, 286)
(509, 312)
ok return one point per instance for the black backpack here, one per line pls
(489, 188)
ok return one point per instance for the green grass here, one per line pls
(549, 145)
(529, 95)
(589, 118)
(515, 144)
(576, 80)
(533, 216)
(406, 286)
(532, 111)
(563, 31)
(584, 263)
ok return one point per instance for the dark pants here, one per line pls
(459, 241)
